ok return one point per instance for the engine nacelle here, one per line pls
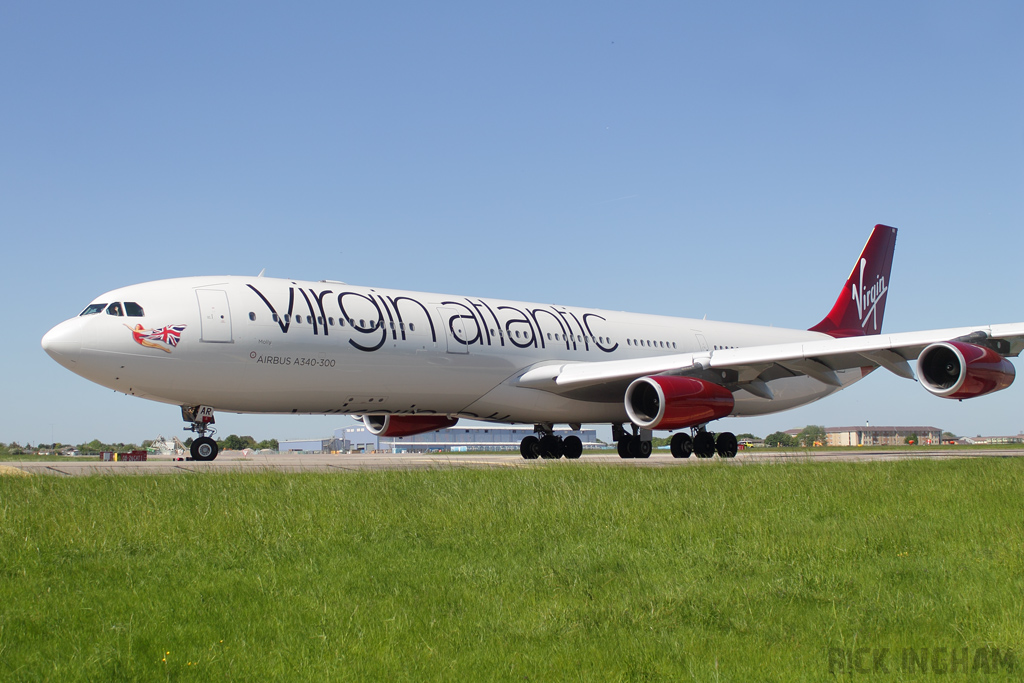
(666, 402)
(961, 370)
(406, 425)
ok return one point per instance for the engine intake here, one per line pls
(406, 425)
(961, 370)
(666, 402)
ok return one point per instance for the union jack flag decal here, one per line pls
(160, 338)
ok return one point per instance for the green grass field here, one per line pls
(571, 571)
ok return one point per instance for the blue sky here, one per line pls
(726, 159)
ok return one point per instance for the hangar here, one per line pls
(453, 439)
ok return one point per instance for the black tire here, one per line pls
(639, 448)
(727, 445)
(550, 447)
(529, 447)
(204, 448)
(572, 447)
(624, 447)
(704, 445)
(681, 446)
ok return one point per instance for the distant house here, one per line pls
(882, 436)
(868, 435)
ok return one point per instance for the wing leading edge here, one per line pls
(747, 368)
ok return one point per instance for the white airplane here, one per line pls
(412, 362)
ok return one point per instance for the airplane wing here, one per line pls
(749, 367)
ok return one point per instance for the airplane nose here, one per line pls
(64, 342)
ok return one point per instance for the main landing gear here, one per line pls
(200, 419)
(549, 446)
(635, 445)
(703, 444)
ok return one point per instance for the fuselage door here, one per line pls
(701, 341)
(455, 330)
(214, 314)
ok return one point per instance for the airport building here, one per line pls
(990, 440)
(881, 436)
(452, 439)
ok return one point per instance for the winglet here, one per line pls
(861, 303)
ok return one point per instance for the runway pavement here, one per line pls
(235, 461)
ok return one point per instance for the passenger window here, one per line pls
(133, 309)
(93, 309)
(252, 316)
(331, 321)
(412, 328)
(274, 317)
(114, 309)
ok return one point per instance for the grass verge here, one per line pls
(581, 572)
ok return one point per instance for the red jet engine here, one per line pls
(667, 402)
(406, 425)
(961, 370)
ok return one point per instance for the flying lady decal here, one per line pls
(160, 338)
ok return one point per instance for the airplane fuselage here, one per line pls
(264, 345)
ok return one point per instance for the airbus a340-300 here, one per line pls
(413, 362)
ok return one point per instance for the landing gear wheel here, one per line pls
(529, 447)
(727, 445)
(681, 446)
(624, 447)
(704, 445)
(572, 447)
(550, 447)
(639, 448)
(203, 448)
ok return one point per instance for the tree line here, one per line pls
(232, 442)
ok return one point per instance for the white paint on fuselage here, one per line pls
(314, 366)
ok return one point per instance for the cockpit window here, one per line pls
(115, 309)
(133, 309)
(93, 309)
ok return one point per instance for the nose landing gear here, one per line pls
(200, 418)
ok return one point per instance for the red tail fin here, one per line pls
(861, 303)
